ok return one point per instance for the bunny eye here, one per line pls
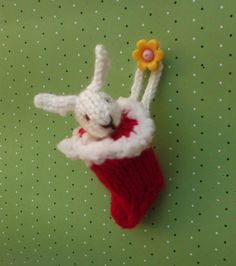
(108, 100)
(87, 117)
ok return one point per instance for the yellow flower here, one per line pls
(148, 55)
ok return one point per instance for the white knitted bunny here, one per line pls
(111, 131)
(95, 111)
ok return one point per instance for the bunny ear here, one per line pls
(102, 64)
(55, 104)
(152, 86)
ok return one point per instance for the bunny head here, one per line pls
(97, 112)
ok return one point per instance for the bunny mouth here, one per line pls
(110, 125)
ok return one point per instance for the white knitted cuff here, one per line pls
(97, 151)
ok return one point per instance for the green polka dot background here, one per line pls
(53, 211)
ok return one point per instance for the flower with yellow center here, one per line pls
(148, 55)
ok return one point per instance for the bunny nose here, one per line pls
(110, 124)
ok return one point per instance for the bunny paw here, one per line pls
(67, 146)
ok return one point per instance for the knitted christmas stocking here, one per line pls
(115, 135)
(134, 183)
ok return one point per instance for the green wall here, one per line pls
(53, 212)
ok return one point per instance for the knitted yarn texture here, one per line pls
(134, 183)
(114, 139)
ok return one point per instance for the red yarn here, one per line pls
(125, 128)
(80, 132)
(134, 183)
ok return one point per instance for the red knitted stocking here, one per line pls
(134, 184)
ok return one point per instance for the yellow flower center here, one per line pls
(147, 55)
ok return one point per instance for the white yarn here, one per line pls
(98, 151)
(55, 104)
(102, 65)
(137, 85)
(91, 102)
(152, 86)
(96, 107)
(100, 108)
